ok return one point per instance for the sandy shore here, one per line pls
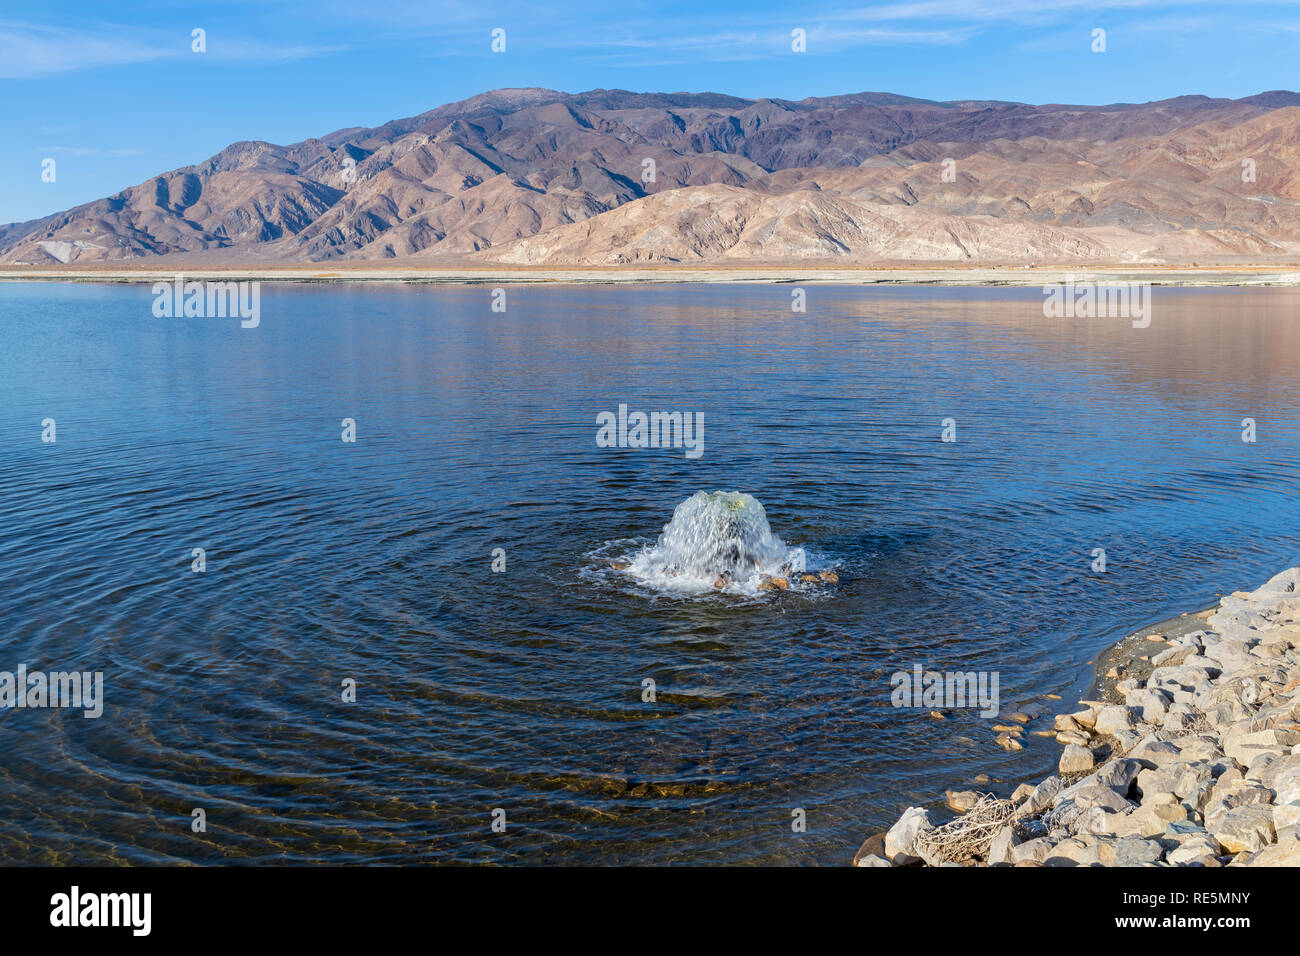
(940, 275)
(1187, 755)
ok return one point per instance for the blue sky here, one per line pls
(113, 93)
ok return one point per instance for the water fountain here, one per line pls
(721, 540)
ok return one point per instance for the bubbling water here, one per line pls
(717, 540)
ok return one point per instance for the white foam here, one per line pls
(712, 535)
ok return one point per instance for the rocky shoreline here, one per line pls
(1190, 756)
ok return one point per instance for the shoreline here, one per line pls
(1185, 752)
(1253, 276)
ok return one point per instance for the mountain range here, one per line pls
(608, 177)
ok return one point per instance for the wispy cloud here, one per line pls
(984, 11)
(91, 151)
(29, 50)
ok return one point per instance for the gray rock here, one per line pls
(1194, 782)
(900, 841)
(1286, 852)
(1152, 705)
(1286, 816)
(1096, 821)
(1066, 853)
(1119, 774)
(1194, 850)
(1135, 851)
(1114, 719)
(1042, 796)
(1076, 759)
(1244, 828)
(1126, 740)
(1030, 829)
(1095, 795)
(1244, 748)
(1150, 820)
(1032, 851)
(1284, 777)
(1243, 795)
(1000, 849)
(1279, 585)
(1173, 656)
(1022, 793)
(1157, 752)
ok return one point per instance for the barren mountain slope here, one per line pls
(611, 176)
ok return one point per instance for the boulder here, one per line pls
(1151, 705)
(1076, 759)
(1001, 847)
(1032, 851)
(1243, 795)
(1135, 851)
(1157, 752)
(1022, 793)
(874, 845)
(1119, 774)
(1277, 587)
(1095, 795)
(1087, 718)
(1286, 816)
(1096, 821)
(1283, 776)
(900, 841)
(1064, 722)
(1042, 797)
(1244, 748)
(1244, 828)
(1115, 718)
(1173, 656)
(1194, 850)
(1150, 820)
(1285, 852)
(1066, 853)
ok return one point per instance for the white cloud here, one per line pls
(29, 50)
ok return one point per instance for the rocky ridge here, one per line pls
(611, 178)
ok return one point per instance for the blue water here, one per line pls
(521, 691)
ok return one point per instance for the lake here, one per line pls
(457, 567)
